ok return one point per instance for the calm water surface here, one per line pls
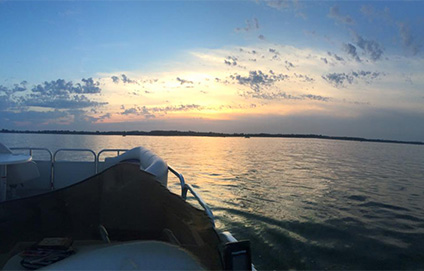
(303, 203)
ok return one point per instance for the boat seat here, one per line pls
(21, 173)
(148, 161)
(4, 149)
(138, 255)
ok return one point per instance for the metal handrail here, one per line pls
(30, 149)
(186, 187)
(182, 182)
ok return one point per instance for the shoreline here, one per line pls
(208, 134)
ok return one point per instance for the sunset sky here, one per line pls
(345, 68)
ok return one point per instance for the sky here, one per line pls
(341, 68)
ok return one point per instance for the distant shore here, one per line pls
(209, 134)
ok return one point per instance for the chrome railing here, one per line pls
(186, 187)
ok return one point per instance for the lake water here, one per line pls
(303, 203)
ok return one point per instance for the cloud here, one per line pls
(341, 79)
(33, 118)
(130, 111)
(124, 78)
(127, 80)
(269, 96)
(368, 10)
(344, 19)
(105, 116)
(335, 56)
(302, 15)
(372, 13)
(370, 48)
(288, 65)
(251, 25)
(274, 51)
(284, 5)
(278, 4)
(257, 79)
(50, 119)
(63, 102)
(139, 111)
(59, 103)
(276, 54)
(183, 81)
(115, 79)
(282, 95)
(63, 94)
(22, 86)
(6, 102)
(315, 97)
(7, 94)
(231, 61)
(408, 41)
(350, 49)
(61, 87)
(304, 78)
(149, 112)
